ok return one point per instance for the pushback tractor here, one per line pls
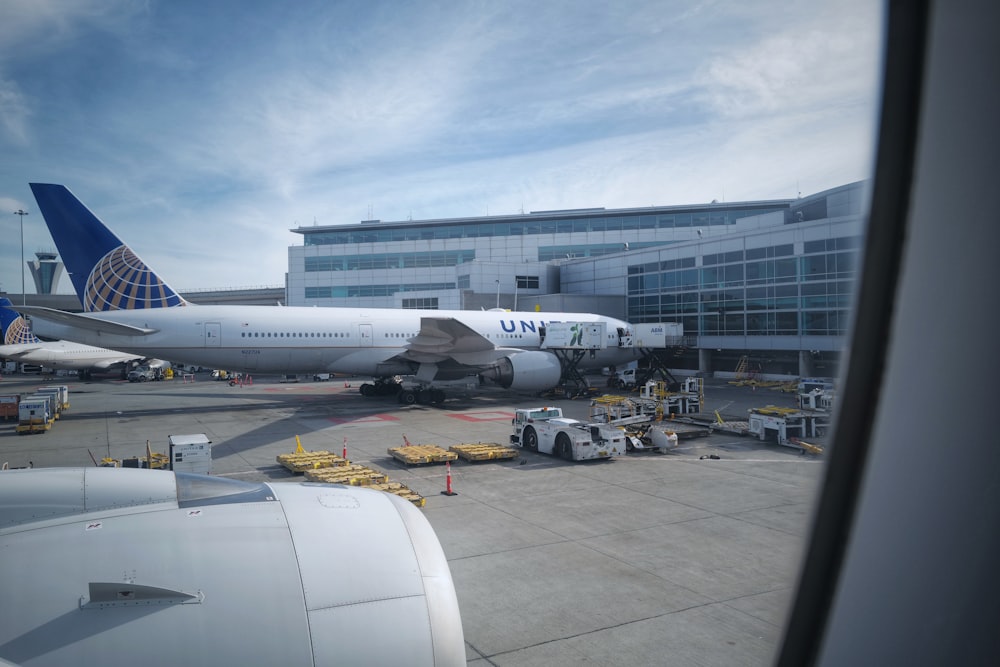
(546, 430)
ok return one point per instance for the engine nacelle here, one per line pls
(527, 371)
(240, 570)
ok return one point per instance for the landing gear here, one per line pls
(405, 395)
(381, 387)
(429, 396)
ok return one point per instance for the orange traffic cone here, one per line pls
(448, 490)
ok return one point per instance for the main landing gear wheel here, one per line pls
(421, 396)
(379, 388)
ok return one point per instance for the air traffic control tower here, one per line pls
(45, 271)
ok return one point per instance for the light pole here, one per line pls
(498, 294)
(22, 213)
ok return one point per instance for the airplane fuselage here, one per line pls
(65, 355)
(307, 340)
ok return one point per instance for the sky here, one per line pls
(203, 132)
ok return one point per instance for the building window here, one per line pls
(526, 282)
(426, 303)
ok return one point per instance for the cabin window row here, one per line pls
(280, 334)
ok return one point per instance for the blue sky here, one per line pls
(201, 132)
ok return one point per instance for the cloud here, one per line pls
(172, 123)
(826, 61)
(14, 112)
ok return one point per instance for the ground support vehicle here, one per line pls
(817, 399)
(420, 454)
(656, 398)
(788, 427)
(483, 451)
(145, 374)
(546, 430)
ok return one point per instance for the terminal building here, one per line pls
(760, 286)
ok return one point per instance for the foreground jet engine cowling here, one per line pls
(116, 566)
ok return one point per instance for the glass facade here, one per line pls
(617, 221)
(758, 292)
(330, 292)
(548, 253)
(426, 303)
(386, 260)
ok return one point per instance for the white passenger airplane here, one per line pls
(127, 306)
(21, 345)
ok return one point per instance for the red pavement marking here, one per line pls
(484, 416)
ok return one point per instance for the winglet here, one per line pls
(106, 273)
(15, 331)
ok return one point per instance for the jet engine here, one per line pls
(114, 566)
(527, 371)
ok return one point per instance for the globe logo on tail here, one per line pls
(121, 281)
(18, 333)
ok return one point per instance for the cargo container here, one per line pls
(33, 415)
(8, 406)
(61, 391)
(53, 403)
(190, 453)
(575, 335)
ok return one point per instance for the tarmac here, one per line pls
(644, 559)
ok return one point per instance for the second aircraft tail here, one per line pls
(106, 273)
(14, 329)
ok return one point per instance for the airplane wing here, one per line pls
(105, 364)
(445, 339)
(82, 321)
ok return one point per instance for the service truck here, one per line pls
(546, 430)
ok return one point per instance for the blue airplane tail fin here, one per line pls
(15, 330)
(106, 273)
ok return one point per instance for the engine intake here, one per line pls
(527, 371)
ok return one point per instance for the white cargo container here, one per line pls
(190, 453)
(61, 391)
(53, 402)
(575, 335)
(34, 415)
(658, 335)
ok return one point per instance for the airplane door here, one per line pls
(213, 334)
(365, 335)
